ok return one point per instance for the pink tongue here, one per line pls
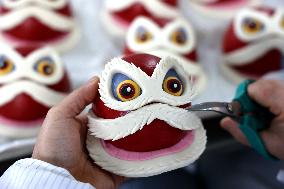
(34, 31)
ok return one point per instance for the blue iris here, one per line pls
(117, 79)
(6, 64)
(172, 83)
(44, 59)
(172, 73)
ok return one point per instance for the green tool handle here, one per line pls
(254, 119)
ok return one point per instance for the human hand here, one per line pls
(61, 140)
(270, 94)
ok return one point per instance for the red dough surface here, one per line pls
(192, 55)
(127, 15)
(270, 61)
(222, 1)
(147, 63)
(173, 3)
(65, 11)
(155, 136)
(34, 30)
(267, 63)
(24, 107)
(231, 40)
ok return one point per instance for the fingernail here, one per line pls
(226, 122)
(223, 123)
(251, 88)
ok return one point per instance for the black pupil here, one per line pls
(3, 65)
(251, 24)
(47, 69)
(174, 85)
(127, 91)
(142, 34)
(181, 37)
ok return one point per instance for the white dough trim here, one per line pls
(205, 1)
(62, 45)
(24, 66)
(111, 26)
(231, 74)
(39, 93)
(224, 14)
(12, 4)
(271, 24)
(69, 41)
(54, 20)
(151, 86)
(148, 25)
(19, 132)
(190, 67)
(118, 128)
(253, 51)
(155, 7)
(160, 36)
(149, 167)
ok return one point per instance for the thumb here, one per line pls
(76, 102)
(269, 93)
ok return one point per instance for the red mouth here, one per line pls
(155, 136)
(268, 63)
(23, 109)
(33, 31)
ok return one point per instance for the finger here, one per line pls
(273, 143)
(83, 129)
(268, 93)
(233, 128)
(76, 102)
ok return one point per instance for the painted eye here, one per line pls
(173, 84)
(179, 37)
(252, 26)
(45, 67)
(143, 35)
(6, 66)
(124, 89)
